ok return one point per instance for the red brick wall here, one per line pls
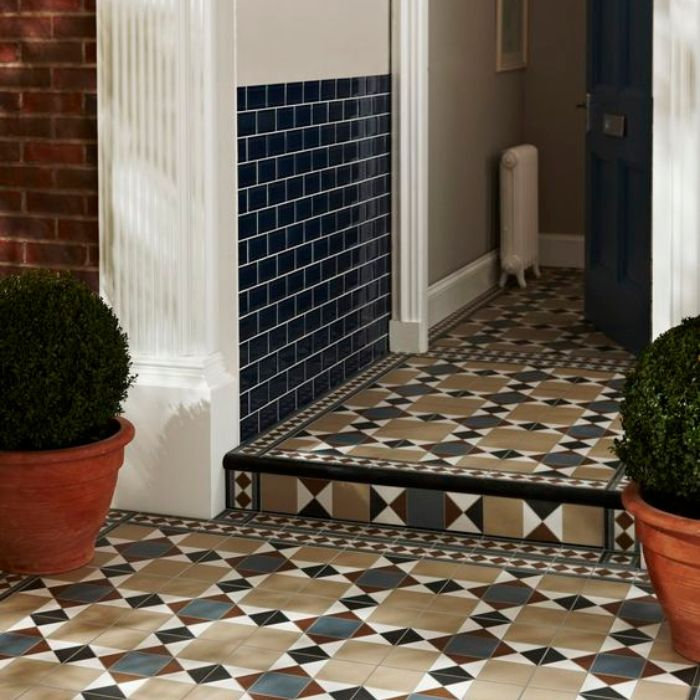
(48, 136)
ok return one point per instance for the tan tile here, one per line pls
(558, 679)
(583, 525)
(202, 540)
(396, 679)
(162, 689)
(445, 406)
(44, 693)
(595, 472)
(185, 587)
(121, 638)
(264, 599)
(325, 589)
(206, 572)
(360, 652)
(411, 659)
(399, 377)
(144, 583)
(438, 622)
(356, 560)
(77, 631)
(438, 569)
(225, 631)
(397, 454)
(497, 366)
(605, 589)
(476, 573)
(25, 671)
(505, 672)
(330, 423)
(589, 621)
(503, 517)
(351, 501)
(561, 584)
(467, 382)
(367, 399)
(541, 616)
(521, 440)
(278, 494)
(74, 575)
(662, 650)
(582, 640)
(101, 559)
(10, 691)
(71, 677)
(513, 466)
(452, 605)
(313, 605)
(415, 429)
(648, 690)
(253, 658)
(206, 692)
(345, 672)
(267, 638)
(131, 532)
(546, 694)
(22, 603)
(281, 583)
(164, 567)
(239, 545)
(208, 650)
(307, 444)
(143, 619)
(536, 334)
(566, 390)
(320, 555)
(485, 690)
(547, 415)
(101, 614)
(398, 617)
(412, 600)
(541, 635)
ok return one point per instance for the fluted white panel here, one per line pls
(152, 189)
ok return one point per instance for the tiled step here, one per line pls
(502, 429)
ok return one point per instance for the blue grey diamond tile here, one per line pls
(12, 644)
(335, 627)
(206, 609)
(280, 685)
(137, 663)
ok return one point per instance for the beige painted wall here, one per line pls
(289, 40)
(475, 113)
(555, 81)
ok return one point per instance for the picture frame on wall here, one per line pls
(512, 33)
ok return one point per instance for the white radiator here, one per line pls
(519, 213)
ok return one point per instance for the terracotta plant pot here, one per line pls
(54, 502)
(671, 547)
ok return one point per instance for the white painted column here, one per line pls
(167, 167)
(409, 326)
(676, 163)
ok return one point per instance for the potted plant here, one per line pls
(661, 451)
(64, 373)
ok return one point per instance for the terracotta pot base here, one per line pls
(54, 502)
(672, 552)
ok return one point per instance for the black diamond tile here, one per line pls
(111, 691)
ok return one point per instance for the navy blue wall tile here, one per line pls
(315, 227)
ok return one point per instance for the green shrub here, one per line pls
(64, 363)
(661, 420)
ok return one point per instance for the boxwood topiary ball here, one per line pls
(64, 363)
(661, 421)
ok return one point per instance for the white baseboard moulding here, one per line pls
(462, 286)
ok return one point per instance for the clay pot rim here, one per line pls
(124, 435)
(661, 519)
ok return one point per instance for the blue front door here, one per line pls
(618, 198)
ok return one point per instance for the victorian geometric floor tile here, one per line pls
(262, 606)
(504, 427)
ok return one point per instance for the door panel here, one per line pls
(618, 198)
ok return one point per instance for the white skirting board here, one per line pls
(461, 287)
(562, 250)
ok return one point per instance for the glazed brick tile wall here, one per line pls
(48, 136)
(314, 239)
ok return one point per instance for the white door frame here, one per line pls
(676, 169)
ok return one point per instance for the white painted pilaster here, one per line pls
(167, 121)
(409, 326)
(676, 158)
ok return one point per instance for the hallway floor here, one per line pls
(259, 606)
(516, 391)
